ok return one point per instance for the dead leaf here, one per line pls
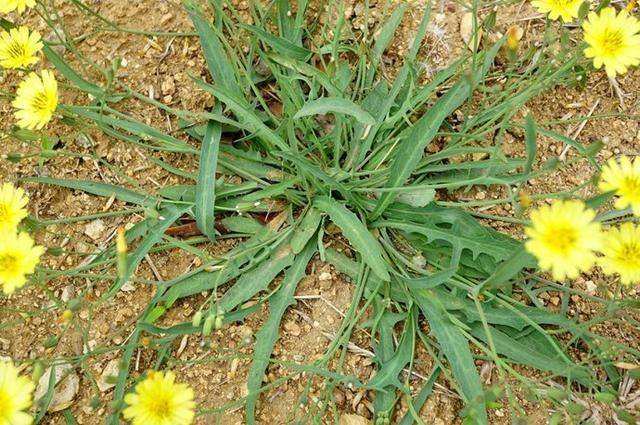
(111, 370)
(470, 37)
(353, 420)
(66, 387)
(626, 366)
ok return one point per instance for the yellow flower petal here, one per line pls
(624, 179)
(621, 253)
(159, 400)
(563, 237)
(36, 100)
(565, 9)
(18, 258)
(613, 40)
(12, 207)
(19, 47)
(15, 396)
(19, 6)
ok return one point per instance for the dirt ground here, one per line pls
(216, 367)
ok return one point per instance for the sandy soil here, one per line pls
(216, 366)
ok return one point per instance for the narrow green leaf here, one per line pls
(256, 280)
(167, 217)
(221, 69)
(508, 269)
(279, 44)
(45, 400)
(99, 189)
(526, 354)
(305, 230)
(530, 141)
(358, 235)
(385, 35)
(246, 114)
(146, 132)
(206, 187)
(456, 349)
(309, 71)
(75, 78)
(421, 398)
(335, 105)
(411, 148)
(388, 374)
(268, 333)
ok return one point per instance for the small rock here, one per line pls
(127, 287)
(67, 385)
(94, 229)
(67, 293)
(83, 141)
(293, 328)
(591, 287)
(168, 86)
(554, 300)
(110, 371)
(324, 276)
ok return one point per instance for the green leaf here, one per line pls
(388, 373)
(455, 347)
(525, 353)
(508, 269)
(422, 396)
(385, 35)
(530, 141)
(246, 114)
(167, 217)
(75, 78)
(206, 186)
(476, 243)
(305, 230)
(221, 69)
(279, 44)
(268, 333)
(147, 133)
(411, 148)
(99, 189)
(418, 197)
(258, 279)
(357, 234)
(309, 71)
(335, 105)
(199, 281)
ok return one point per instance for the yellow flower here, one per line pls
(7, 6)
(18, 258)
(565, 9)
(15, 396)
(158, 400)
(12, 207)
(624, 179)
(621, 250)
(563, 237)
(36, 100)
(613, 40)
(18, 47)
